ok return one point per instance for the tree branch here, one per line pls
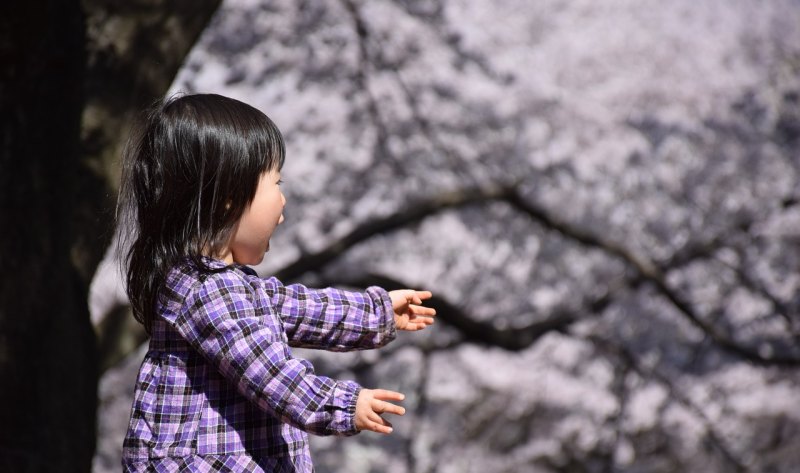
(483, 333)
(362, 81)
(753, 284)
(410, 215)
(651, 273)
(630, 360)
(647, 270)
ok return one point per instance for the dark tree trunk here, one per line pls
(47, 346)
(69, 86)
(134, 50)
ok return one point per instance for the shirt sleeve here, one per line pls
(250, 350)
(333, 319)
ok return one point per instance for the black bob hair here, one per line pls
(190, 169)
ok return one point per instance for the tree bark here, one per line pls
(47, 347)
(134, 50)
(69, 85)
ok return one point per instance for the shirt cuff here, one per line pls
(345, 398)
(382, 303)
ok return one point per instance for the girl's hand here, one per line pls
(409, 314)
(371, 404)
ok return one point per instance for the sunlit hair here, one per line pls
(190, 169)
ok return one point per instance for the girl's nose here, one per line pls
(283, 204)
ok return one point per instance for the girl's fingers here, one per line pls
(386, 395)
(416, 326)
(383, 407)
(422, 310)
(376, 419)
(371, 416)
(407, 297)
(378, 424)
(416, 297)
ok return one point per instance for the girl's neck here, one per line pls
(223, 255)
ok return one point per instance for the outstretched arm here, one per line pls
(337, 320)
(332, 319)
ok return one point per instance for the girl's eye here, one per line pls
(280, 181)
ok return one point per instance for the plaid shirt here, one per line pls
(219, 389)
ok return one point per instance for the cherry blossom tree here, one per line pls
(603, 198)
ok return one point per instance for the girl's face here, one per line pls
(251, 235)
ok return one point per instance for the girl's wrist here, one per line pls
(351, 409)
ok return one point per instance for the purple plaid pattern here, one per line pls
(219, 389)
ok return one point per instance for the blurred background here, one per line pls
(604, 198)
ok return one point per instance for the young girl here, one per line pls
(219, 389)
